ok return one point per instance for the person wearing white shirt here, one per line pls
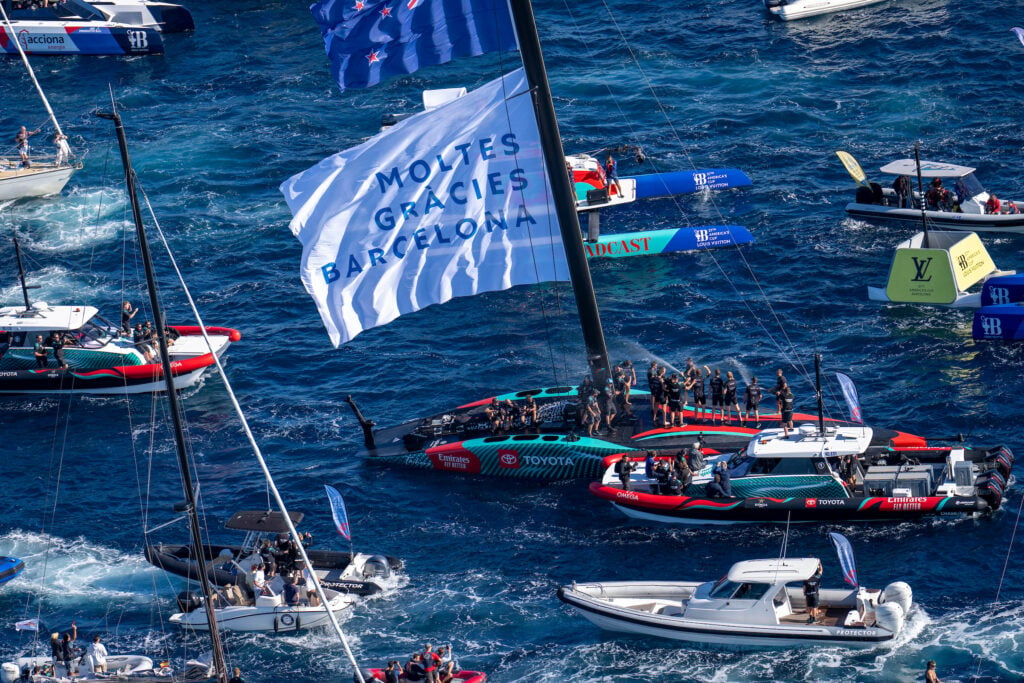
(98, 654)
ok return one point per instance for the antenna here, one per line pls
(920, 189)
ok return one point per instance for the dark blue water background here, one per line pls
(231, 111)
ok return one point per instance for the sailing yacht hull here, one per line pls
(265, 618)
(55, 37)
(42, 181)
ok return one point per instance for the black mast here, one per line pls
(920, 189)
(565, 207)
(219, 664)
(21, 275)
(817, 391)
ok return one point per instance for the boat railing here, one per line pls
(12, 163)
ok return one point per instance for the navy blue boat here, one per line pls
(9, 568)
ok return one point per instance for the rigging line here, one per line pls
(255, 446)
(1009, 549)
(551, 229)
(661, 107)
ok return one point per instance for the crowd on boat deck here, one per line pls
(938, 198)
(60, 141)
(429, 666)
(278, 571)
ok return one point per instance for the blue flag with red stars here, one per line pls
(370, 41)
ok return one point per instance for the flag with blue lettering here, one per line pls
(845, 552)
(370, 41)
(446, 203)
(338, 512)
(852, 399)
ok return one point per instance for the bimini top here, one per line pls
(44, 318)
(774, 571)
(271, 522)
(929, 169)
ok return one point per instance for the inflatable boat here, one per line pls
(9, 568)
(787, 10)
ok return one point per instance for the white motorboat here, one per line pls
(117, 666)
(954, 199)
(100, 358)
(787, 10)
(759, 603)
(165, 17)
(265, 613)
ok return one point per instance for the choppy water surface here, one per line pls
(229, 112)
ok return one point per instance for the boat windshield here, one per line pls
(969, 186)
(94, 334)
(733, 590)
(790, 466)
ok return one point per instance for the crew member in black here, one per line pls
(730, 397)
(652, 374)
(39, 351)
(624, 467)
(848, 471)
(57, 344)
(608, 400)
(493, 414)
(592, 413)
(780, 381)
(622, 389)
(811, 587)
(511, 415)
(785, 403)
(585, 388)
(717, 396)
(697, 380)
(753, 399)
(529, 413)
(683, 473)
(661, 473)
(674, 392)
(902, 187)
(127, 313)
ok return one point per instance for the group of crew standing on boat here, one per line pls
(429, 666)
(21, 138)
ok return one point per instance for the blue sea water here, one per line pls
(229, 112)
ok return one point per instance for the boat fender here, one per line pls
(277, 625)
(890, 617)
(298, 622)
(899, 593)
(376, 566)
(189, 601)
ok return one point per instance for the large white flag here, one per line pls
(447, 203)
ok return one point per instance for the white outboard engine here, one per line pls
(9, 672)
(900, 594)
(376, 566)
(889, 615)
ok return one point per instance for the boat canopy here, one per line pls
(929, 169)
(271, 522)
(774, 571)
(44, 318)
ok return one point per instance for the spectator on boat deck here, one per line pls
(902, 188)
(649, 463)
(929, 673)
(236, 676)
(624, 467)
(127, 313)
(393, 672)
(67, 650)
(811, 587)
(938, 196)
(259, 579)
(780, 382)
(290, 592)
(39, 351)
(414, 671)
(720, 485)
(139, 340)
(683, 473)
(993, 204)
(21, 139)
(611, 175)
(430, 663)
(98, 653)
(63, 148)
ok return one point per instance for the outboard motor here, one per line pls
(774, 3)
(864, 195)
(189, 601)
(890, 616)
(898, 593)
(991, 489)
(1001, 458)
(376, 567)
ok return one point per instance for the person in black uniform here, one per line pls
(697, 379)
(811, 588)
(493, 414)
(529, 413)
(57, 341)
(652, 374)
(127, 313)
(785, 404)
(39, 351)
(592, 413)
(730, 397)
(717, 396)
(674, 397)
(780, 381)
(753, 400)
(608, 401)
(624, 467)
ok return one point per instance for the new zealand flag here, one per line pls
(368, 42)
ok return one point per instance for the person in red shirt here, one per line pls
(431, 662)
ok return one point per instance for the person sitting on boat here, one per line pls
(937, 197)
(393, 672)
(511, 416)
(611, 175)
(139, 340)
(649, 464)
(683, 473)
(529, 413)
(929, 673)
(848, 471)
(259, 580)
(720, 485)
(446, 664)
(1011, 207)
(695, 457)
(993, 205)
(902, 188)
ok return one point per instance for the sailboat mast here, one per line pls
(817, 391)
(920, 189)
(32, 74)
(565, 206)
(21, 275)
(219, 664)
